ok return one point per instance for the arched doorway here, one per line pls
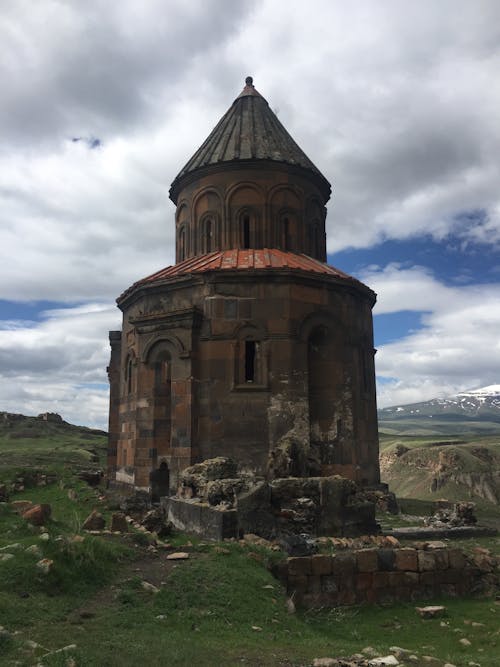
(160, 482)
(162, 404)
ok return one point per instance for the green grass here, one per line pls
(209, 606)
(206, 611)
(48, 444)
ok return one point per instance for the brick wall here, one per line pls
(382, 575)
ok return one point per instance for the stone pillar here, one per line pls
(115, 341)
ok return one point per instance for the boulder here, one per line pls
(45, 565)
(136, 504)
(21, 506)
(155, 522)
(95, 521)
(119, 523)
(37, 515)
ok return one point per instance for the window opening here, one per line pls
(250, 354)
(208, 235)
(315, 240)
(129, 376)
(182, 244)
(246, 232)
(286, 234)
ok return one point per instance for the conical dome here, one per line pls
(249, 131)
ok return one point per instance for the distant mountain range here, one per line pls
(477, 410)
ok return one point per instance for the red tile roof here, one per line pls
(241, 260)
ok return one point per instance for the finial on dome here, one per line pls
(249, 81)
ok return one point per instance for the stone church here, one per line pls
(250, 346)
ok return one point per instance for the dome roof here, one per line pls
(248, 131)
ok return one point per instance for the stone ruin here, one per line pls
(452, 515)
(215, 501)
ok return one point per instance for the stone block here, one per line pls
(396, 579)
(329, 584)
(426, 561)
(364, 580)
(411, 579)
(380, 580)
(321, 564)
(314, 584)
(299, 565)
(343, 564)
(441, 558)
(427, 578)
(456, 559)
(297, 583)
(386, 559)
(367, 560)
(449, 576)
(406, 559)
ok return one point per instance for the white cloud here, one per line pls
(397, 103)
(458, 348)
(59, 364)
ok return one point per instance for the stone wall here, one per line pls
(385, 575)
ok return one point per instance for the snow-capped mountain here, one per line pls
(475, 405)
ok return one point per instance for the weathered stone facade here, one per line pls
(250, 347)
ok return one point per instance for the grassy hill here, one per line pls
(47, 440)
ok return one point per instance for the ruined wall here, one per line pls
(386, 575)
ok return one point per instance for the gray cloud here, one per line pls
(397, 103)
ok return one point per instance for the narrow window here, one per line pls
(364, 370)
(286, 234)
(315, 240)
(182, 244)
(250, 353)
(246, 232)
(129, 376)
(208, 235)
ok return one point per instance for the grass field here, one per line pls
(219, 607)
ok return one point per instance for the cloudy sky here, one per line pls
(397, 103)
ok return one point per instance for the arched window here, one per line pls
(160, 366)
(314, 241)
(182, 244)
(251, 359)
(285, 241)
(207, 235)
(245, 231)
(129, 372)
